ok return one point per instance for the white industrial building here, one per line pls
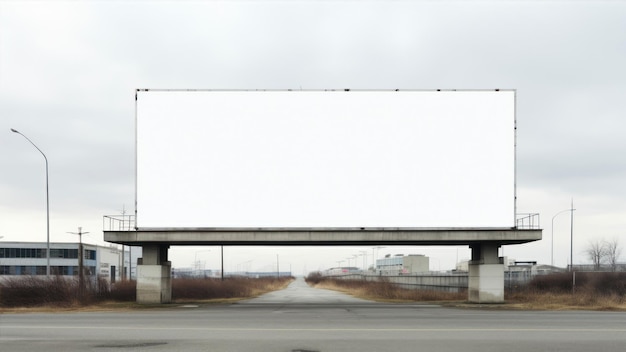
(402, 264)
(342, 270)
(398, 264)
(29, 258)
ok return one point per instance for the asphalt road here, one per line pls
(304, 319)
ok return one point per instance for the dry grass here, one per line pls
(61, 294)
(210, 289)
(565, 301)
(594, 291)
(32, 291)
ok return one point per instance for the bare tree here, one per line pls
(612, 251)
(596, 252)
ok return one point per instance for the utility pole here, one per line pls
(571, 229)
(571, 255)
(123, 254)
(81, 256)
(552, 236)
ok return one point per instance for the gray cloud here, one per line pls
(68, 71)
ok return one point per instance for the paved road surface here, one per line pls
(299, 293)
(304, 319)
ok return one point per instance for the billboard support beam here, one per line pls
(486, 270)
(321, 236)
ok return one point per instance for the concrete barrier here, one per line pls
(435, 282)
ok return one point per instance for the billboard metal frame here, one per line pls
(331, 229)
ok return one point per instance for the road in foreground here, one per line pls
(304, 319)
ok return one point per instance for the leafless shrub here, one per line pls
(208, 288)
(612, 251)
(593, 283)
(592, 291)
(314, 278)
(604, 252)
(596, 252)
(65, 292)
(606, 284)
(123, 291)
(554, 283)
(33, 291)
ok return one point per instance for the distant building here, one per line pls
(600, 268)
(341, 270)
(195, 273)
(517, 272)
(509, 265)
(29, 259)
(179, 273)
(402, 264)
(260, 274)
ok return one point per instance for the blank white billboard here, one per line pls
(275, 159)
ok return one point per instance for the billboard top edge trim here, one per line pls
(323, 90)
(332, 229)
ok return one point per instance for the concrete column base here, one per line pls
(486, 283)
(486, 274)
(154, 283)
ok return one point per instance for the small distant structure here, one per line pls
(600, 268)
(192, 273)
(179, 273)
(401, 264)
(517, 272)
(341, 270)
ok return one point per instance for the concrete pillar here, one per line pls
(486, 274)
(154, 275)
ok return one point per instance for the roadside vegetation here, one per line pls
(382, 290)
(593, 291)
(596, 291)
(238, 288)
(59, 292)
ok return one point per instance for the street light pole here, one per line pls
(47, 205)
(552, 236)
(571, 229)
(571, 254)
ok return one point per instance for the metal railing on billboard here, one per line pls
(524, 221)
(527, 221)
(118, 223)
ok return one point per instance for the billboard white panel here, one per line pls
(408, 159)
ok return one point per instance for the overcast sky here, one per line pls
(68, 72)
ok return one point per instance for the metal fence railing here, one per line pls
(118, 223)
(527, 221)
